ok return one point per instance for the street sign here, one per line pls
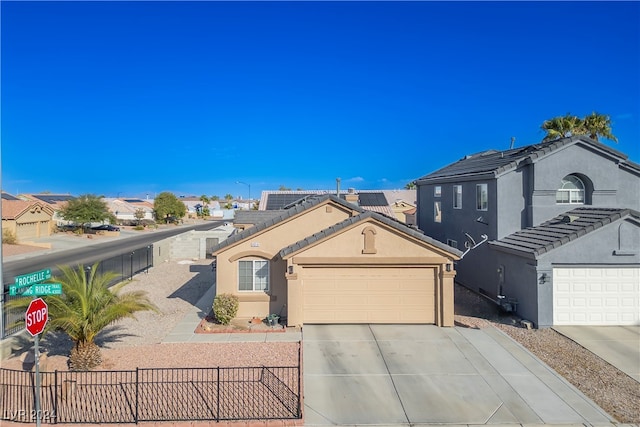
(36, 316)
(32, 278)
(37, 289)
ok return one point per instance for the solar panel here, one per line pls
(133, 200)
(279, 201)
(53, 198)
(6, 196)
(372, 199)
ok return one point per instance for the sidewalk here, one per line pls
(59, 242)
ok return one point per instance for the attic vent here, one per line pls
(569, 218)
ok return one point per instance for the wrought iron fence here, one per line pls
(153, 394)
(126, 264)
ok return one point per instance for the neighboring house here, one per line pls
(410, 217)
(374, 201)
(125, 209)
(56, 201)
(195, 205)
(329, 261)
(402, 202)
(562, 223)
(26, 220)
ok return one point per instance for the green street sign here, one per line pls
(38, 289)
(32, 278)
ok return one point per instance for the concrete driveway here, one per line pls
(618, 345)
(406, 374)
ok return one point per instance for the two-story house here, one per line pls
(562, 224)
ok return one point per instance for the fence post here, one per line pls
(137, 397)
(55, 396)
(218, 393)
(131, 266)
(300, 380)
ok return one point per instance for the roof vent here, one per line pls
(569, 218)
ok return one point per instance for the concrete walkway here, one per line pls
(618, 345)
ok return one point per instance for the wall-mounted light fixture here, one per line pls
(448, 267)
(544, 278)
(291, 269)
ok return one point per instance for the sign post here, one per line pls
(36, 318)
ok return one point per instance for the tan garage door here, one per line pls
(26, 231)
(369, 295)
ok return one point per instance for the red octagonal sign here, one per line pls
(36, 316)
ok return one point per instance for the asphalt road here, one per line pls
(90, 254)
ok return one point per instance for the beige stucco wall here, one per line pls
(266, 245)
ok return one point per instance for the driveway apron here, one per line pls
(618, 345)
(407, 374)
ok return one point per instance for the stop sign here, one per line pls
(36, 316)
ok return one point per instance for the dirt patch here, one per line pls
(209, 325)
(11, 250)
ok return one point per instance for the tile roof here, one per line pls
(13, 209)
(565, 228)
(283, 215)
(410, 196)
(254, 217)
(358, 218)
(497, 162)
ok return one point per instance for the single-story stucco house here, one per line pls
(26, 220)
(326, 260)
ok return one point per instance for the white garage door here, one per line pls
(369, 295)
(596, 296)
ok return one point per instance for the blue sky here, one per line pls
(135, 98)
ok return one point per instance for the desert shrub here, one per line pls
(225, 307)
(9, 237)
(139, 227)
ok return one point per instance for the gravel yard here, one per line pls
(613, 390)
(175, 288)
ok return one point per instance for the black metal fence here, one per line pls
(127, 265)
(154, 394)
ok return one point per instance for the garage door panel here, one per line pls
(360, 295)
(596, 296)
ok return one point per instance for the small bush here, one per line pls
(139, 227)
(9, 237)
(225, 308)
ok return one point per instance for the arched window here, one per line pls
(571, 191)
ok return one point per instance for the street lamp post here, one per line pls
(248, 185)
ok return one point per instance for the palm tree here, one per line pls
(562, 127)
(598, 125)
(87, 306)
(594, 125)
(205, 205)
